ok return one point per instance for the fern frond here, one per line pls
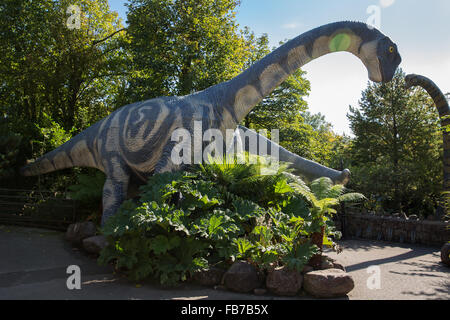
(321, 187)
(352, 197)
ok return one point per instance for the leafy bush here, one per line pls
(211, 216)
(9, 149)
(88, 191)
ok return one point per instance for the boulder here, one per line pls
(330, 283)
(79, 231)
(242, 277)
(445, 252)
(338, 265)
(95, 244)
(330, 263)
(209, 277)
(284, 282)
(307, 269)
(326, 264)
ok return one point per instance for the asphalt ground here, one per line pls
(34, 263)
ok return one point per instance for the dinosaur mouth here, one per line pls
(377, 76)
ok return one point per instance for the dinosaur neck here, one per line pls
(238, 96)
(444, 111)
(436, 94)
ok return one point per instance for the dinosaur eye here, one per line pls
(391, 49)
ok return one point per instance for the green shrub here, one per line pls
(88, 191)
(211, 216)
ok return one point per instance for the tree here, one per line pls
(9, 149)
(181, 46)
(55, 74)
(396, 153)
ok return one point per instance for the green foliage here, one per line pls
(9, 149)
(56, 80)
(178, 47)
(213, 215)
(89, 188)
(88, 191)
(52, 135)
(396, 156)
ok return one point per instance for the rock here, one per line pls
(210, 277)
(79, 231)
(242, 277)
(328, 283)
(326, 264)
(445, 252)
(95, 244)
(307, 269)
(338, 265)
(259, 291)
(284, 282)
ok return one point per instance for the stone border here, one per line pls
(396, 228)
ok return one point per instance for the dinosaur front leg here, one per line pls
(165, 163)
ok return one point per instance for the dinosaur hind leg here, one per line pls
(114, 193)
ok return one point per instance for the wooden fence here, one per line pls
(36, 208)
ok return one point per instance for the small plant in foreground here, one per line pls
(211, 216)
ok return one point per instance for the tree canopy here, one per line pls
(58, 78)
(396, 153)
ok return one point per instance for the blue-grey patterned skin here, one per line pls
(134, 142)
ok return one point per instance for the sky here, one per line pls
(419, 28)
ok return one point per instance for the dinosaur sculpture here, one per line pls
(135, 142)
(301, 166)
(441, 103)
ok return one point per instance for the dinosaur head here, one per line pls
(381, 58)
(411, 80)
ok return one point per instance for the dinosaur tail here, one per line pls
(301, 166)
(77, 152)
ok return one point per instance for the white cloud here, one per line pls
(293, 25)
(386, 3)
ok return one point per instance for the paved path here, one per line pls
(33, 265)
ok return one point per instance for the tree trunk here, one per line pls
(317, 239)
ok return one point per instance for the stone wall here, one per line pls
(395, 229)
